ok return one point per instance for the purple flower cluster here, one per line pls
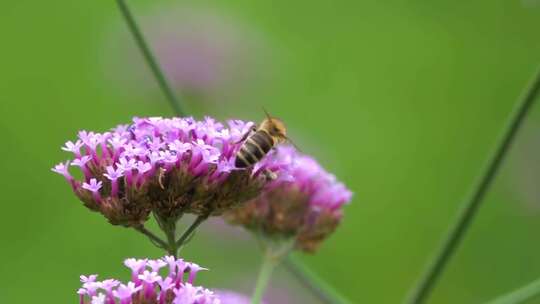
(166, 166)
(148, 286)
(304, 201)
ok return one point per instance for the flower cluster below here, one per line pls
(168, 166)
(304, 202)
(148, 286)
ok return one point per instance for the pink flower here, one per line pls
(193, 269)
(62, 168)
(125, 292)
(136, 266)
(304, 200)
(154, 288)
(88, 279)
(75, 148)
(156, 265)
(113, 174)
(94, 187)
(81, 162)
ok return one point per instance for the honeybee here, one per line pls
(260, 140)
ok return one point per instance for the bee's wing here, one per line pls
(247, 134)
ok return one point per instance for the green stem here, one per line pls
(465, 217)
(153, 238)
(520, 295)
(168, 227)
(268, 265)
(170, 231)
(149, 57)
(311, 281)
(189, 231)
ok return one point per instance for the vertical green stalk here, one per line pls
(520, 295)
(190, 230)
(149, 57)
(151, 236)
(170, 232)
(311, 281)
(267, 267)
(169, 229)
(465, 217)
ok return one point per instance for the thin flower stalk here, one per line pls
(465, 217)
(267, 268)
(520, 295)
(327, 294)
(149, 57)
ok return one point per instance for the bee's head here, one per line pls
(275, 127)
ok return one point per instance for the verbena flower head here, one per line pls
(168, 166)
(304, 201)
(148, 285)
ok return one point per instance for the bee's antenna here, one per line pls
(267, 114)
(292, 142)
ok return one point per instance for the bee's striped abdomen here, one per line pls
(254, 149)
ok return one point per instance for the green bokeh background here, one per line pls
(402, 100)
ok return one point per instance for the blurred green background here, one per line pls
(402, 100)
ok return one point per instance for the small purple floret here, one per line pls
(93, 187)
(63, 169)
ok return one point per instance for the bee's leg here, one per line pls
(270, 176)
